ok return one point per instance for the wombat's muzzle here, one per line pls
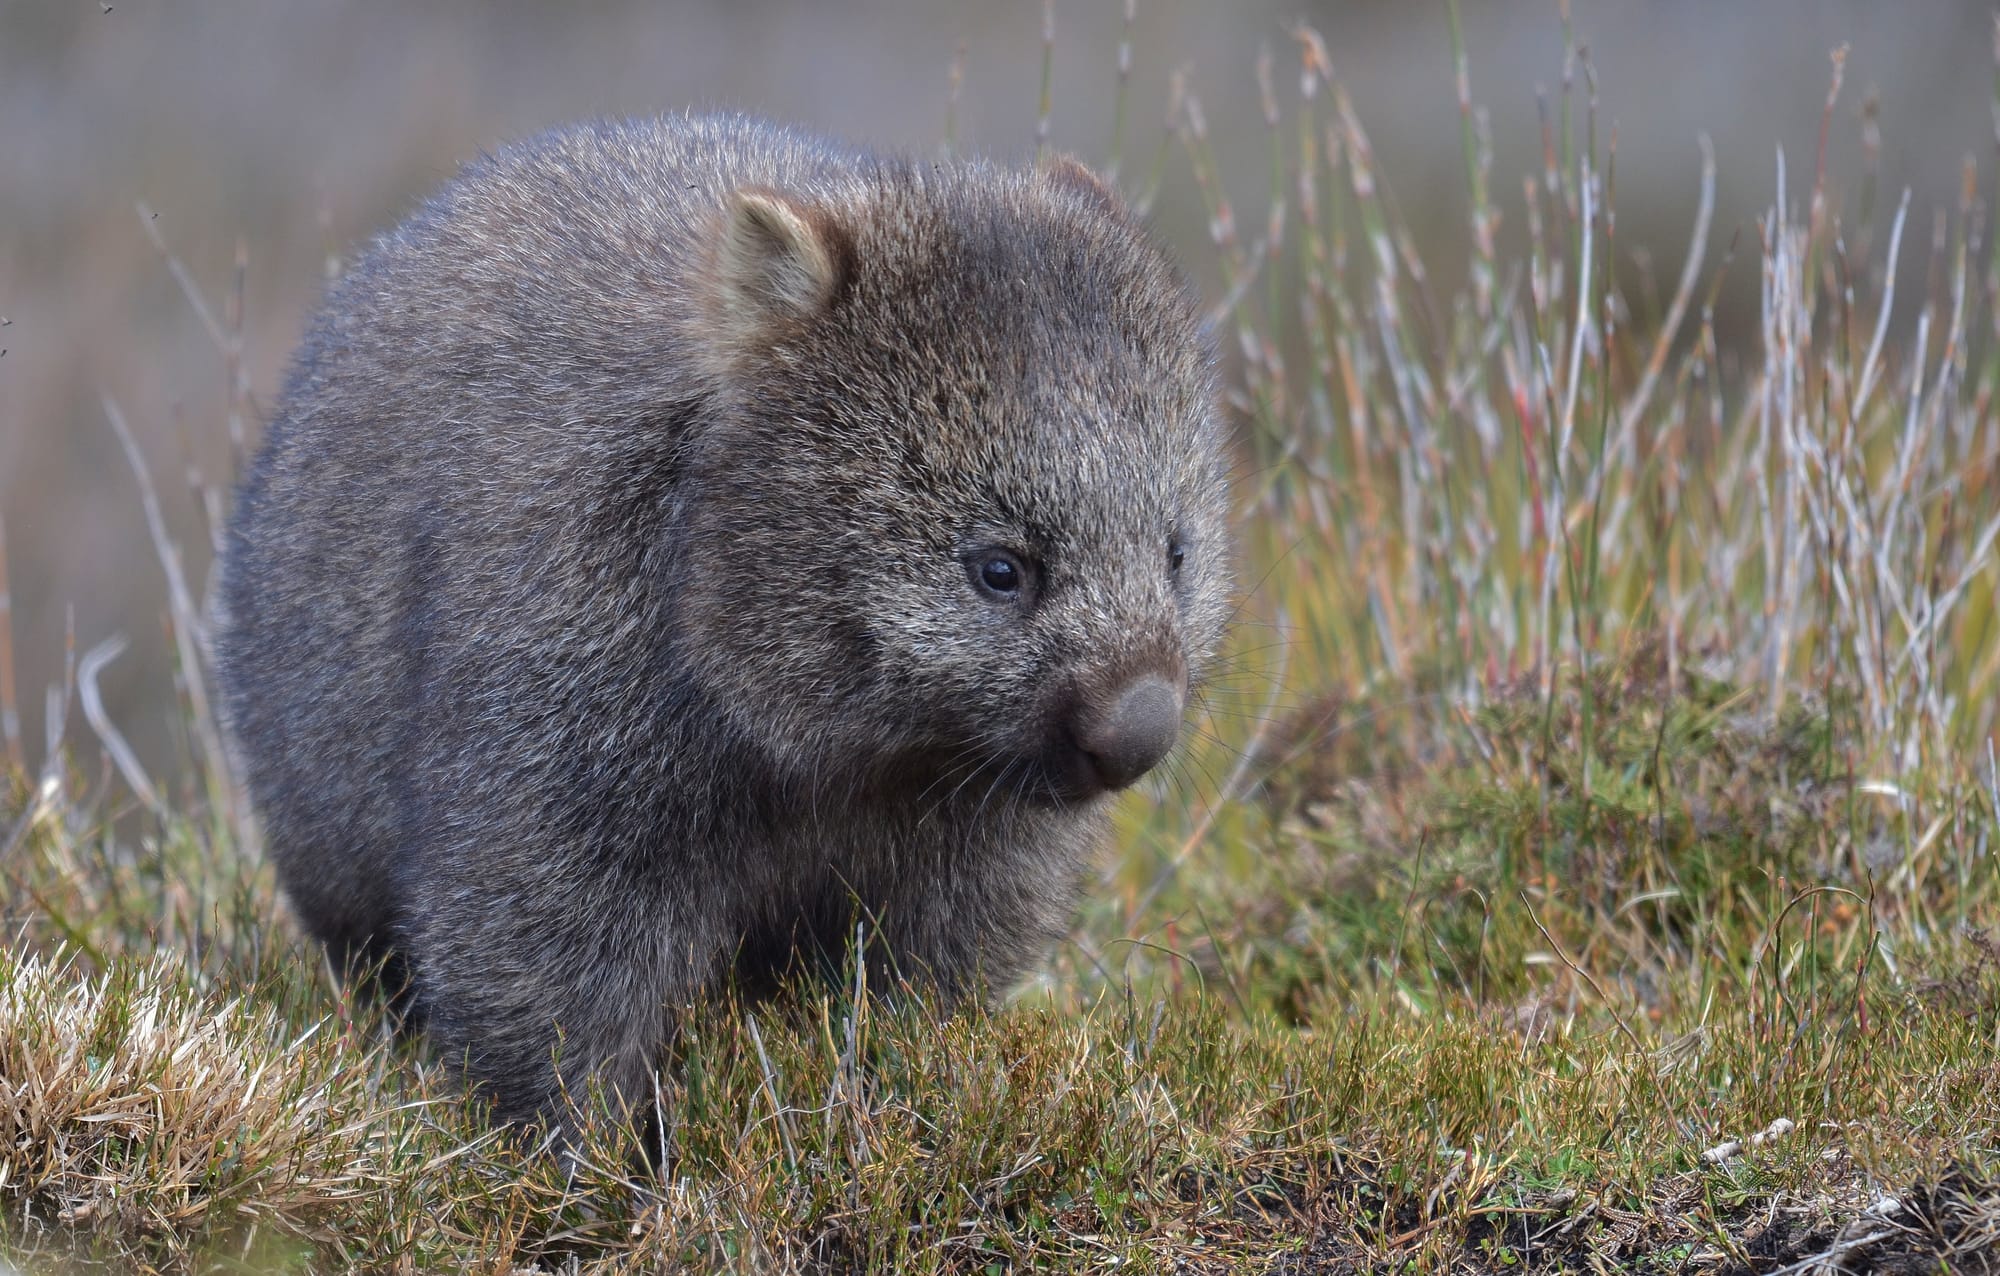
(1120, 737)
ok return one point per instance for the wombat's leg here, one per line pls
(374, 966)
(971, 935)
(543, 990)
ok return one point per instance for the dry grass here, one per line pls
(1605, 773)
(131, 1077)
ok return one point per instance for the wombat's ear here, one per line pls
(777, 261)
(1066, 172)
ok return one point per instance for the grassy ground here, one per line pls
(1587, 862)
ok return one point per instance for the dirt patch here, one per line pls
(1951, 1225)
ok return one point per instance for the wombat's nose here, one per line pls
(1134, 733)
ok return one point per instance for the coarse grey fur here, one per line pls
(610, 609)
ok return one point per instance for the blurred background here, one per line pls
(275, 138)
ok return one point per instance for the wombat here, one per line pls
(682, 540)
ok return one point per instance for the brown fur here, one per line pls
(610, 608)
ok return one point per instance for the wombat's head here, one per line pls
(963, 520)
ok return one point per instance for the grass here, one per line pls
(1587, 862)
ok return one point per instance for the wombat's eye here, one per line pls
(998, 574)
(1176, 555)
